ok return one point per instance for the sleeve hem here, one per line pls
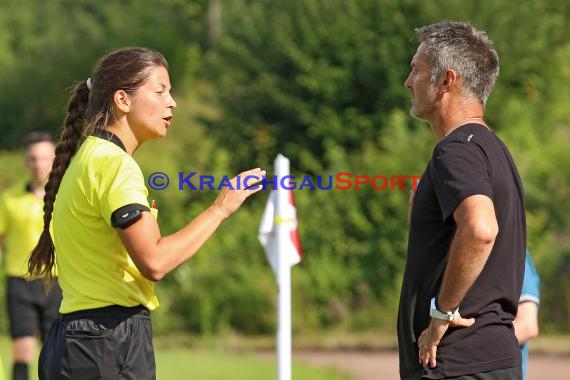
(529, 298)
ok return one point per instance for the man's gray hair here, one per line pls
(463, 48)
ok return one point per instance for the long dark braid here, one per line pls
(42, 259)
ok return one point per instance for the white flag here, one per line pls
(287, 242)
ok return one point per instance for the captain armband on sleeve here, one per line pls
(124, 216)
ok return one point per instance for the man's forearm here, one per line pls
(467, 257)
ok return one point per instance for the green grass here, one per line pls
(329, 340)
(202, 358)
(211, 364)
(215, 365)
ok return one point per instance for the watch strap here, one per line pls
(439, 308)
(437, 313)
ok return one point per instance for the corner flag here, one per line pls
(285, 221)
(279, 236)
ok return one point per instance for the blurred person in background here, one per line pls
(526, 321)
(31, 308)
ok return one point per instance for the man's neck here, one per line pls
(456, 116)
(37, 187)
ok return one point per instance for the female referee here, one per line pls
(109, 248)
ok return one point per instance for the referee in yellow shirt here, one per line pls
(110, 251)
(31, 311)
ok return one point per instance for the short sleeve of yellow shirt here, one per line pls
(121, 184)
(94, 267)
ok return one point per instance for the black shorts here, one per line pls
(30, 310)
(514, 373)
(112, 342)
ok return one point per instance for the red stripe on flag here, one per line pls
(294, 233)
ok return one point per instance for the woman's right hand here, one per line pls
(231, 198)
(155, 255)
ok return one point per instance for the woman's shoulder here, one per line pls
(104, 154)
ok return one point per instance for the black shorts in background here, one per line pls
(31, 309)
(112, 342)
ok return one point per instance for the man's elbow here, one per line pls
(532, 330)
(486, 232)
(525, 331)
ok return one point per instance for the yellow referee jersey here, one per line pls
(21, 224)
(94, 267)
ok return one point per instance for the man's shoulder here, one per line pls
(470, 134)
(472, 142)
(465, 146)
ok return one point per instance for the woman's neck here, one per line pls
(126, 135)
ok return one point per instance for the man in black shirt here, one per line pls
(467, 238)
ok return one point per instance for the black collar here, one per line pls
(109, 136)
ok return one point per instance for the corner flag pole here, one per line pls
(279, 236)
(282, 222)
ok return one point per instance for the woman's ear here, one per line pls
(122, 100)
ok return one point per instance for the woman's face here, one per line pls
(151, 108)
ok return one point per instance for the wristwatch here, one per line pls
(447, 315)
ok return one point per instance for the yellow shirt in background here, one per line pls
(21, 224)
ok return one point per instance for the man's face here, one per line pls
(423, 91)
(39, 159)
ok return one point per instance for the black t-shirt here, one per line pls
(471, 160)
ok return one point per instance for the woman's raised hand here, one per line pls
(232, 197)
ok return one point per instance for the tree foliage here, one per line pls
(320, 81)
(46, 46)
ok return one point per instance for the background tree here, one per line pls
(320, 81)
(47, 45)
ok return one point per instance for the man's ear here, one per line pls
(449, 80)
(122, 100)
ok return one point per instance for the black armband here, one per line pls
(127, 215)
